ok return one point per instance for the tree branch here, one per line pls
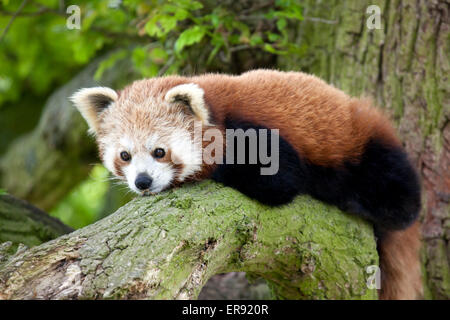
(21, 223)
(167, 246)
(22, 5)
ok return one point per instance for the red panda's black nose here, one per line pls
(143, 181)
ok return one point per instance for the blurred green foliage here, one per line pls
(38, 52)
(83, 205)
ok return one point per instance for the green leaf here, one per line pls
(289, 10)
(88, 19)
(143, 63)
(273, 36)
(234, 39)
(160, 25)
(150, 71)
(189, 37)
(85, 47)
(213, 53)
(281, 24)
(158, 55)
(139, 55)
(256, 39)
(178, 13)
(271, 49)
(168, 23)
(215, 20)
(152, 28)
(189, 4)
(5, 84)
(3, 192)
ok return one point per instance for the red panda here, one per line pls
(338, 149)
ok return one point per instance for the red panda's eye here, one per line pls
(125, 156)
(159, 153)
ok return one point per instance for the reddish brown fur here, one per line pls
(177, 165)
(400, 264)
(321, 122)
(118, 163)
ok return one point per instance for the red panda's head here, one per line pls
(146, 134)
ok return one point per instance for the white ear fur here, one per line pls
(91, 102)
(191, 95)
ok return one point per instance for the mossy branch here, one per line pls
(21, 223)
(167, 246)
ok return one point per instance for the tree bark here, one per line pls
(404, 67)
(21, 223)
(167, 246)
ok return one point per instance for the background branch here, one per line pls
(21, 223)
(14, 16)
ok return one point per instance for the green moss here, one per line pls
(182, 203)
(398, 96)
(168, 246)
(21, 225)
(313, 231)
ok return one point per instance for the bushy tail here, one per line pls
(400, 264)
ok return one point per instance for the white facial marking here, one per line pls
(126, 143)
(108, 158)
(151, 142)
(187, 152)
(161, 173)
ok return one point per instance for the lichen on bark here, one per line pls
(167, 246)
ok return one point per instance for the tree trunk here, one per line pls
(404, 66)
(167, 246)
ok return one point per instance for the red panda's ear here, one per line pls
(190, 95)
(91, 102)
